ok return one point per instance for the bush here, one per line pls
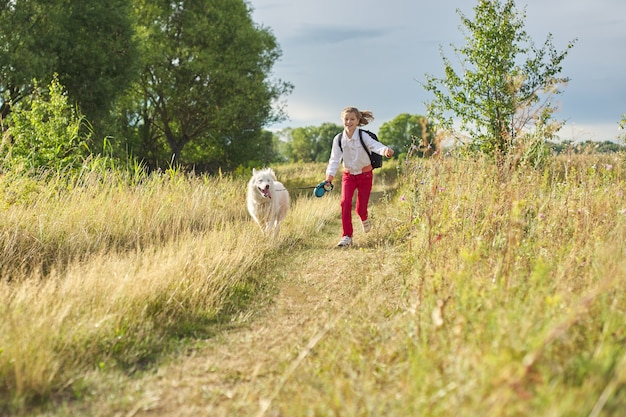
(46, 132)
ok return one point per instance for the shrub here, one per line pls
(46, 132)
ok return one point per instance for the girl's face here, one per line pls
(350, 121)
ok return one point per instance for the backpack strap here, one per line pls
(363, 143)
(338, 137)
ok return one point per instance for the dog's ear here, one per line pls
(253, 171)
(273, 174)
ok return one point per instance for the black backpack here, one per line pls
(375, 159)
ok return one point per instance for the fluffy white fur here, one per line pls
(268, 200)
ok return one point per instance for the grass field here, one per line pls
(474, 295)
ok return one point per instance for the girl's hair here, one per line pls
(364, 116)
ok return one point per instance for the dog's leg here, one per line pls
(268, 228)
(257, 221)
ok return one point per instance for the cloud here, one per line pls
(321, 35)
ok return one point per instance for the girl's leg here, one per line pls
(348, 185)
(364, 187)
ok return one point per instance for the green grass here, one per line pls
(473, 295)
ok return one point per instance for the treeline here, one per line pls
(164, 82)
(408, 134)
(588, 146)
(405, 133)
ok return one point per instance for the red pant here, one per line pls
(362, 183)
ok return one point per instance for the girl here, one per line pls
(357, 169)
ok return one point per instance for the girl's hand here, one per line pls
(389, 152)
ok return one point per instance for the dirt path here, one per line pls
(240, 371)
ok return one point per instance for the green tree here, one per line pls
(303, 144)
(325, 134)
(204, 93)
(28, 33)
(311, 143)
(88, 43)
(97, 55)
(504, 84)
(407, 130)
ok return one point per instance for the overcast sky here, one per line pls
(373, 54)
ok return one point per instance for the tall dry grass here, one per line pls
(105, 271)
(489, 295)
(500, 297)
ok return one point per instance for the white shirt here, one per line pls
(354, 156)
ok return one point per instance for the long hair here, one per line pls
(364, 116)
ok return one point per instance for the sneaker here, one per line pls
(345, 241)
(367, 225)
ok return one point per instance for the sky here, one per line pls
(375, 55)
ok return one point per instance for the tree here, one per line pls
(28, 32)
(407, 130)
(311, 143)
(303, 144)
(204, 92)
(88, 43)
(325, 135)
(97, 55)
(504, 84)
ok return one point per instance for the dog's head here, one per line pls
(263, 181)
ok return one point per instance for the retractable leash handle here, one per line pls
(322, 188)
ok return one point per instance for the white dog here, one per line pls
(268, 200)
